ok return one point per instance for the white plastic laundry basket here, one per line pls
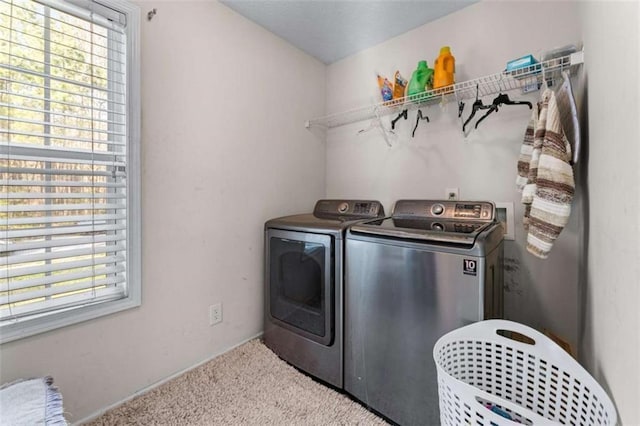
(485, 378)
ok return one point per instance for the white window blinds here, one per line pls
(63, 158)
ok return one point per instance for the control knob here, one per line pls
(437, 227)
(437, 209)
(342, 208)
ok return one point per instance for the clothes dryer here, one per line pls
(304, 273)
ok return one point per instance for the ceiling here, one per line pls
(331, 30)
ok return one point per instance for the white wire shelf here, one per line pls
(526, 79)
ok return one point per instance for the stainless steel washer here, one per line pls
(432, 267)
(303, 321)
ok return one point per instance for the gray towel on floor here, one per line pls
(31, 402)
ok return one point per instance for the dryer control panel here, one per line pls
(349, 209)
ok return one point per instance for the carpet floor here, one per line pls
(249, 385)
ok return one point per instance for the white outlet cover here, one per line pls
(504, 214)
(215, 314)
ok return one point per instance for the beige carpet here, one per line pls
(249, 385)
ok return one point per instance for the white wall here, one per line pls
(483, 37)
(611, 340)
(224, 149)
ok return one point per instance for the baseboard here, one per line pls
(160, 382)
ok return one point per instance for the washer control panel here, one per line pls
(349, 208)
(469, 211)
(458, 211)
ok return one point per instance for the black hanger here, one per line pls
(402, 114)
(492, 108)
(418, 118)
(460, 108)
(477, 104)
(502, 99)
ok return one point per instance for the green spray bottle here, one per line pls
(421, 79)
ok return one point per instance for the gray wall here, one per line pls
(223, 150)
(610, 292)
(483, 37)
(217, 151)
(587, 291)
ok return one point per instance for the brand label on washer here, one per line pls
(469, 266)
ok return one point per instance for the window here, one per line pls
(69, 163)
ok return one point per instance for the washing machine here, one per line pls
(304, 276)
(432, 267)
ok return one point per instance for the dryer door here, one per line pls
(300, 283)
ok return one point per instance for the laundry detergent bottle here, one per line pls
(445, 68)
(421, 79)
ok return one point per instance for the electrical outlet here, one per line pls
(451, 194)
(215, 314)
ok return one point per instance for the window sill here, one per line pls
(19, 329)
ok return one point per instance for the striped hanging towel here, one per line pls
(549, 187)
(526, 165)
(526, 149)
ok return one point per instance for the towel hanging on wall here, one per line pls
(545, 177)
(524, 160)
(569, 115)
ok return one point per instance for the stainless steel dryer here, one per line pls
(432, 267)
(303, 321)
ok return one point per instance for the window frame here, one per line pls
(36, 324)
